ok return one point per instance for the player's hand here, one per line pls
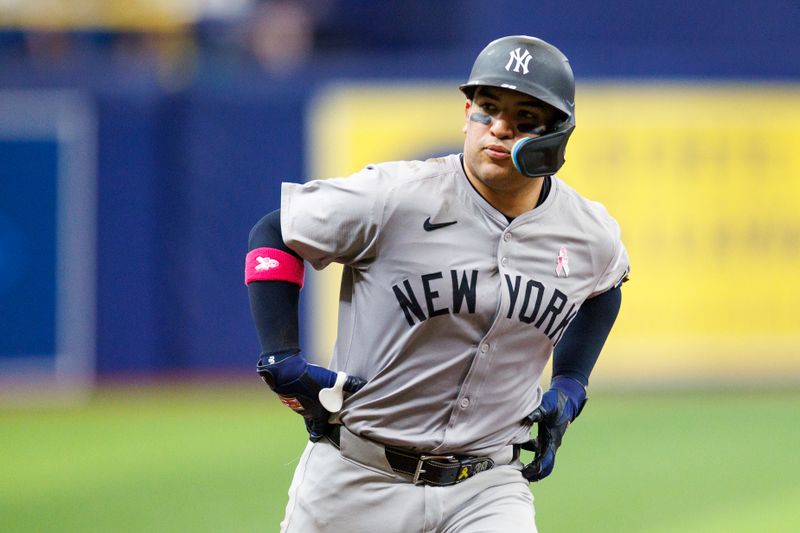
(560, 406)
(299, 384)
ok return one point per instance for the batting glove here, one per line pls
(311, 391)
(560, 406)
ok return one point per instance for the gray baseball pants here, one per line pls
(355, 491)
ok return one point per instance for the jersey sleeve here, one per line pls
(335, 220)
(618, 268)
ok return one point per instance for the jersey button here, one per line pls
(507, 237)
(484, 348)
(464, 403)
(504, 261)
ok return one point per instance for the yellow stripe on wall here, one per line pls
(704, 180)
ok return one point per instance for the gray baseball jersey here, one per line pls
(450, 311)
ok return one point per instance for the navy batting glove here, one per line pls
(560, 406)
(298, 385)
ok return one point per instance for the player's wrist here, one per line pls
(278, 368)
(574, 390)
(290, 369)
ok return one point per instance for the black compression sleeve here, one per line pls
(576, 353)
(267, 234)
(274, 304)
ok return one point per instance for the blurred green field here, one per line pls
(220, 457)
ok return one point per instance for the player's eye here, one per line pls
(491, 109)
(531, 123)
(531, 128)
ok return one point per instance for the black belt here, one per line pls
(437, 470)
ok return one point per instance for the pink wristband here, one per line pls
(271, 264)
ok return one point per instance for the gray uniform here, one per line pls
(447, 309)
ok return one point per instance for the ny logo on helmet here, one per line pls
(522, 60)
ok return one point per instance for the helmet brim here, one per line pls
(537, 92)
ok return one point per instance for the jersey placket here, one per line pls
(480, 367)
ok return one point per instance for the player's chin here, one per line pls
(497, 169)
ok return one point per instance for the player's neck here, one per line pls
(511, 200)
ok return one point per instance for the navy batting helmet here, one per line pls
(538, 69)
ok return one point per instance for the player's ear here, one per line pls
(467, 107)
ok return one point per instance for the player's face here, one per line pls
(494, 120)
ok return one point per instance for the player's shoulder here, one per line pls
(405, 172)
(591, 215)
(381, 180)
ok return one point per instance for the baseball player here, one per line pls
(462, 275)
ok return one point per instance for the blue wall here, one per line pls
(27, 246)
(183, 177)
(185, 169)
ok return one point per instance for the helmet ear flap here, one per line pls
(542, 156)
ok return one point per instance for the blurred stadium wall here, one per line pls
(139, 143)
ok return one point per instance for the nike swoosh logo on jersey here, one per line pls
(429, 226)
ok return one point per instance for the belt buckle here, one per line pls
(421, 461)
